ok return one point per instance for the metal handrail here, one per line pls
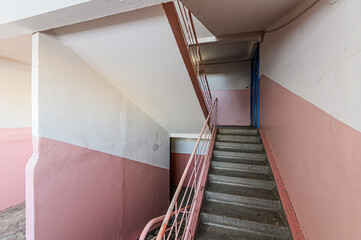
(195, 171)
(154, 221)
(190, 35)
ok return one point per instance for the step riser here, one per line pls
(241, 155)
(241, 181)
(237, 131)
(240, 167)
(245, 225)
(239, 146)
(242, 200)
(235, 138)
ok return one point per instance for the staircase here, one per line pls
(241, 198)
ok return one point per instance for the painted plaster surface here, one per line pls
(100, 168)
(181, 150)
(318, 58)
(230, 84)
(138, 53)
(12, 225)
(19, 17)
(15, 151)
(233, 107)
(178, 164)
(285, 199)
(85, 194)
(318, 159)
(15, 94)
(80, 107)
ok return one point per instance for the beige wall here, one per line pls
(318, 58)
(15, 94)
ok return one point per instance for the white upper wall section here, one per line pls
(15, 94)
(318, 57)
(74, 104)
(16, 49)
(137, 52)
(229, 77)
(19, 17)
(12, 10)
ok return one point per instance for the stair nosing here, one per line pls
(281, 228)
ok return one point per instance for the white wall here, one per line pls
(229, 77)
(138, 53)
(15, 94)
(183, 145)
(100, 118)
(19, 17)
(18, 9)
(318, 57)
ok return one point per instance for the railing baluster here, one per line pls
(201, 153)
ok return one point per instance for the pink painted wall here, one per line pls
(100, 168)
(318, 158)
(15, 150)
(233, 106)
(177, 166)
(76, 187)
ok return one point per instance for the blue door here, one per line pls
(255, 89)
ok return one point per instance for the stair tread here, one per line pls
(239, 161)
(211, 232)
(239, 150)
(241, 191)
(239, 143)
(241, 174)
(236, 127)
(251, 214)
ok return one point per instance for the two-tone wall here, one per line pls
(100, 168)
(230, 83)
(181, 150)
(310, 112)
(15, 130)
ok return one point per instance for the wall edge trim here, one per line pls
(285, 199)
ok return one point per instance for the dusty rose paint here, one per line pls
(233, 106)
(15, 151)
(86, 194)
(178, 164)
(285, 199)
(319, 159)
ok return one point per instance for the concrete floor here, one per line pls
(12, 223)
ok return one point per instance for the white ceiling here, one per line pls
(19, 17)
(236, 16)
(17, 49)
(218, 52)
(137, 52)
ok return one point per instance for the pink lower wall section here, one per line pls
(85, 194)
(319, 160)
(177, 166)
(15, 151)
(233, 107)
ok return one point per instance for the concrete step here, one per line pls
(215, 232)
(240, 164)
(240, 178)
(245, 196)
(237, 131)
(249, 155)
(238, 138)
(252, 220)
(239, 146)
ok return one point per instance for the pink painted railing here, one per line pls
(179, 221)
(190, 36)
